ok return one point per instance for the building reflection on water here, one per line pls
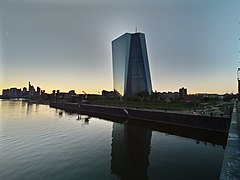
(130, 151)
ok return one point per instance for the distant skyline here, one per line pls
(66, 44)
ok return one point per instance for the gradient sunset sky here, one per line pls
(66, 44)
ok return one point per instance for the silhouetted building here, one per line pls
(71, 96)
(24, 92)
(72, 92)
(31, 90)
(182, 92)
(18, 93)
(38, 91)
(5, 92)
(62, 95)
(12, 93)
(45, 96)
(131, 74)
(108, 93)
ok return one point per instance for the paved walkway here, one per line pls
(231, 162)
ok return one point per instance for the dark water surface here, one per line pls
(39, 142)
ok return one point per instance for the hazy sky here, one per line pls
(66, 44)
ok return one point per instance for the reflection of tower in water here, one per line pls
(130, 151)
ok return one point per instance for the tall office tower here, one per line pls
(31, 89)
(182, 92)
(131, 74)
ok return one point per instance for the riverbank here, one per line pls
(217, 124)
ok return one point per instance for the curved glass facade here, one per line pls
(131, 73)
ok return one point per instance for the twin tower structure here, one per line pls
(131, 74)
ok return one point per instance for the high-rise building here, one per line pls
(182, 92)
(131, 74)
(31, 90)
(38, 91)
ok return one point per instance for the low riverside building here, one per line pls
(70, 96)
(166, 96)
(108, 93)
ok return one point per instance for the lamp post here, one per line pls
(238, 79)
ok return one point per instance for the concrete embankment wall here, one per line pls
(203, 122)
(105, 112)
(231, 162)
(194, 121)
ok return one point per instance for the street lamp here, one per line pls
(238, 79)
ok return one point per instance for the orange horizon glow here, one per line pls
(98, 89)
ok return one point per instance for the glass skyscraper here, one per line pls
(131, 74)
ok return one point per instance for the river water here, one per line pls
(39, 142)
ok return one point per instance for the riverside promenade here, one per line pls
(216, 124)
(231, 162)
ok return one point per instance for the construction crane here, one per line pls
(85, 94)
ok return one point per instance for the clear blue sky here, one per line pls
(66, 44)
